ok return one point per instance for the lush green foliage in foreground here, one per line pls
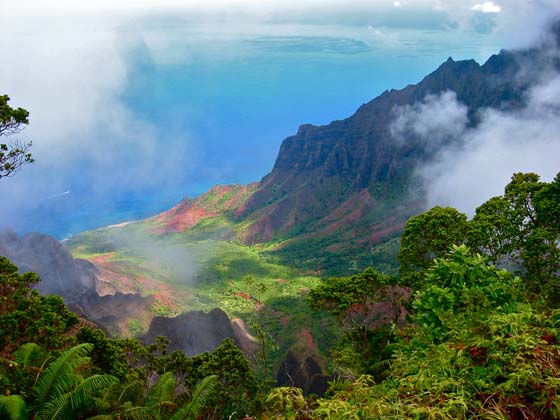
(519, 230)
(479, 342)
(88, 375)
(27, 316)
(474, 349)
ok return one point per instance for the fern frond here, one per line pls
(30, 355)
(192, 409)
(59, 376)
(88, 388)
(13, 407)
(139, 413)
(55, 409)
(67, 406)
(162, 391)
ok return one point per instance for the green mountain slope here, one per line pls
(339, 194)
(335, 202)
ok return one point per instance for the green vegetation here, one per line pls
(65, 388)
(27, 316)
(427, 236)
(478, 341)
(88, 375)
(481, 342)
(474, 349)
(15, 154)
(356, 302)
(59, 391)
(519, 230)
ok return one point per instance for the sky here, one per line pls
(138, 104)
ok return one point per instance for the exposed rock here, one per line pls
(193, 332)
(60, 273)
(246, 342)
(114, 312)
(305, 374)
(75, 280)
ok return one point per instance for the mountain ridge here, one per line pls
(348, 184)
(335, 202)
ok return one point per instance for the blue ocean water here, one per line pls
(237, 97)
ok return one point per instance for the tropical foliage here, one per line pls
(470, 330)
(474, 349)
(26, 316)
(15, 154)
(105, 378)
(519, 230)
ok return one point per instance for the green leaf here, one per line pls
(14, 407)
(192, 409)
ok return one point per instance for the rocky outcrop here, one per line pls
(114, 313)
(303, 373)
(244, 339)
(321, 167)
(193, 332)
(60, 273)
(75, 280)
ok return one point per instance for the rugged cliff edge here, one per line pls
(337, 191)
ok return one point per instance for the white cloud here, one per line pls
(481, 161)
(434, 121)
(71, 73)
(66, 62)
(487, 7)
(518, 23)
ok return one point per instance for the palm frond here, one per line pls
(139, 413)
(30, 355)
(192, 409)
(59, 376)
(14, 407)
(162, 391)
(130, 392)
(88, 388)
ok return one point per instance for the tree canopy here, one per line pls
(14, 154)
(519, 230)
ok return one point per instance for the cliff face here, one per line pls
(76, 280)
(193, 332)
(338, 190)
(321, 168)
(60, 273)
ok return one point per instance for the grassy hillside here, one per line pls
(184, 273)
